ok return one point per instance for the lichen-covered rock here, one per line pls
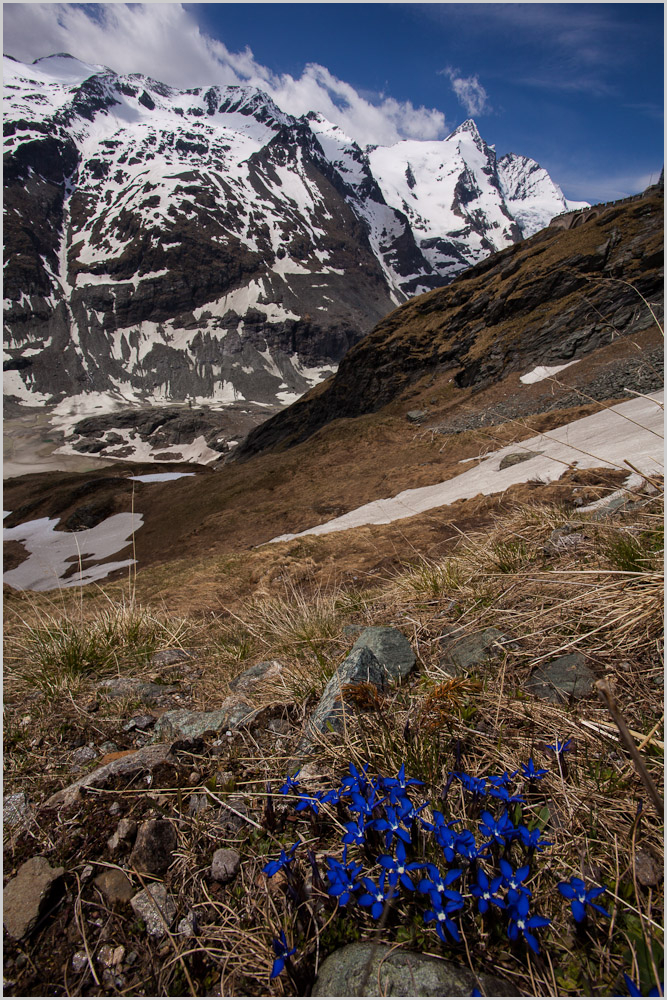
(360, 667)
(156, 908)
(183, 724)
(470, 651)
(391, 649)
(382, 971)
(562, 679)
(254, 677)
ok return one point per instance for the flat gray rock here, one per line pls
(471, 650)
(399, 974)
(515, 457)
(251, 679)
(184, 724)
(25, 896)
(156, 908)
(562, 679)
(143, 760)
(169, 657)
(391, 649)
(131, 687)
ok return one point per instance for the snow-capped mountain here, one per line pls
(165, 244)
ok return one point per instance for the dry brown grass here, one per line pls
(544, 602)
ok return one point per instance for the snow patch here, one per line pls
(542, 372)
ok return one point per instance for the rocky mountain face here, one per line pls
(547, 301)
(164, 245)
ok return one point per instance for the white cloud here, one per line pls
(164, 41)
(470, 92)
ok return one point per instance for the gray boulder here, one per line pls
(382, 971)
(360, 667)
(391, 649)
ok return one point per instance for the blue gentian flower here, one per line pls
(500, 780)
(285, 859)
(498, 830)
(437, 881)
(634, 991)
(393, 827)
(521, 923)
(531, 772)
(531, 838)
(376, 895)
(441, 914)
(398, 869)
(355, 781)
(465, 845)
(575, 890)
(397, 787)
(342, 877)
(485, 891)
(513, 880)
(283, 951)
(290, 783)
(309, 802)
(356, 832)
(559, 747)
(475, 785)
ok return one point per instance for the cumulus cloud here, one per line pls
(470, 92)
(165, 42)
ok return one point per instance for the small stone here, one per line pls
(257, 675)
(105, 955)
(515, 457)
(83, 756)
(26, 894)
(156, 908)
(15, 809)
(470, 651)
(416, 416)
(156, 841)
(123, 836)
(140, 722)
(187, 927)
(648, 872)
(194, 778)
(168, 657)
(86, 872)
(115, 885)
(198, 804)
(118, 955)
(132, 956)
(225, 865)
(108, 747)
(79, 961)
(114, 808)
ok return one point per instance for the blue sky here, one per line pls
(577, 87)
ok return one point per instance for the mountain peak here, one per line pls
(469, 126)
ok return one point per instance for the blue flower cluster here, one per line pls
(391, 850)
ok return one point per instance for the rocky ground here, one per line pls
(147, 753)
